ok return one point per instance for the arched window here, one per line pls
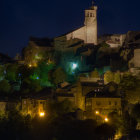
(88, 14)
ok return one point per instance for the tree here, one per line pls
(128, 82)
(11, 72)
(29, 54)
(59, 76)
(58, 109)
(111, 89)
(108, 77)
(2, 69)
(117, 78)
(95, 74)
(4, 86)
(116, 120)
(14, 126)
(105, 131)
(44, 73)
(136, 112)
(129, 123)
(40, 74)
(29, 85)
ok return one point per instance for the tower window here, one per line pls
(87, 14)
(90, 14)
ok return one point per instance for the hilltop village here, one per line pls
(79, 75)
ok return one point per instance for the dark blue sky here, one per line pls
(21, 19)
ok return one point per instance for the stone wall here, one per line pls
(79, 33)
(32, 106)
(136, 59)
(103, 105)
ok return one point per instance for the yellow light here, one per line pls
(30, 65)
(41, 114)
(97, 112)
(106, 119)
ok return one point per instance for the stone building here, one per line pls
(116, 40)
(134, 63)
(98, 104)
(132, 44)
(33, 107)
(88, 32)
(8, 105)
(113, 40)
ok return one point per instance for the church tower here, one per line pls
(91, 25)
(88, 32)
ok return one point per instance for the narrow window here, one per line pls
(90, 14)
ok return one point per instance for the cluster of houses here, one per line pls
(87, 96)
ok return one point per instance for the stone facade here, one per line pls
(116, 40)
(88, 32)
(33, 107)
(134, 63)
(136, 59)
(104, 105)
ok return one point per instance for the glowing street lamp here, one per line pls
(30, 65)
(106, 119)
(41, 114)
(97, 112)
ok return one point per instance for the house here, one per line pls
(33, 107)
(100, 105)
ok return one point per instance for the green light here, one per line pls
(74, 66)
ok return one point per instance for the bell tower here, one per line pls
(91, 25)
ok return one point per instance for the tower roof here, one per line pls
(93, 6)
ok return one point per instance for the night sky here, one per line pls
(21, 19)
